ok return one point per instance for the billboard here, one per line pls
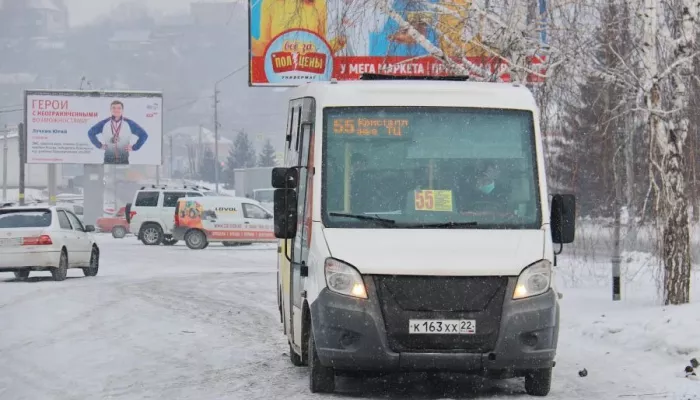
(297, 41)
(86, 127)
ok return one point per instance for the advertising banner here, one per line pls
(79, 127)
(298, 41)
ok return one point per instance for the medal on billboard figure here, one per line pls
(117, 141)
(116, 128)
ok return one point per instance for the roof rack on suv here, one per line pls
(199, 187)
(166, 187)
(384, 77)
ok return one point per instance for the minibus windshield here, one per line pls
(429, 167)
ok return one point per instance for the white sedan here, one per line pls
(46, 238)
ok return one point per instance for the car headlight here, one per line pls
(534, 280)
(344, 279)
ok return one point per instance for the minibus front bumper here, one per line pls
(372, 334)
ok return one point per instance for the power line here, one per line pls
(193, 101)
(237, 70)
(279, 113)
(11, 111)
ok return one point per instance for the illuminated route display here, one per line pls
(370, 127)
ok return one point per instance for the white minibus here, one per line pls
(416, 231)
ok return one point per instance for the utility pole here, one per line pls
(4, 165)
(22, 159)
(216, 122)
(216, 137)
(171, 157)
(114, 189)
(51, 173)
(198, 153)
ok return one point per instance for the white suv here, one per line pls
(152, 214)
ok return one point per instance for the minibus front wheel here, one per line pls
(538, 382)
(321, 379)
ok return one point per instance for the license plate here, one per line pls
(5, 242)
(442, 326)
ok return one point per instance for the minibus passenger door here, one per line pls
(300, 257)
(292, 214)
(284, 180)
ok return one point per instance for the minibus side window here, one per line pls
(292, 157)
(290, 128)
(298, 129)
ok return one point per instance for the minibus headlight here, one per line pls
(534, 280)
(344, 279)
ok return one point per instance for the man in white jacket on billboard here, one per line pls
(116, 134)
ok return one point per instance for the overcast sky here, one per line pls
(84, 11)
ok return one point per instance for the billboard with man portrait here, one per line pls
(85, 127)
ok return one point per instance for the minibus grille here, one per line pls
(441, 297)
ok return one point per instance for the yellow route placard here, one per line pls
(433, 200)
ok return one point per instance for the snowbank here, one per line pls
(639, 323)
(669, 330)
(29, 195)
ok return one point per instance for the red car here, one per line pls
(116, 224)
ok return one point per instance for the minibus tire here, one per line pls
(538, 382)
(321, 379)
(296, 359)
(279, 301)
(196, 239)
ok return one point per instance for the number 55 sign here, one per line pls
(433, 200)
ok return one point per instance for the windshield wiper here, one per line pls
(362, 217)
(450, 224)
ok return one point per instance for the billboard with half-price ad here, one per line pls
(86, 127)
(296, 41)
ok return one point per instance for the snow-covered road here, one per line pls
(171, 323)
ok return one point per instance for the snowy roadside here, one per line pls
(635, 338)
(169, 322)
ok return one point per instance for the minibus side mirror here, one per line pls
(285, 213)
(284, 178)
(563, 218)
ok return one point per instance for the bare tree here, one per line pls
(646, 68)
(657, 71)
(669, 130)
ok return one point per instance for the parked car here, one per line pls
(116, 224)
(46, 239)
(152, 214)
(229, 220)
